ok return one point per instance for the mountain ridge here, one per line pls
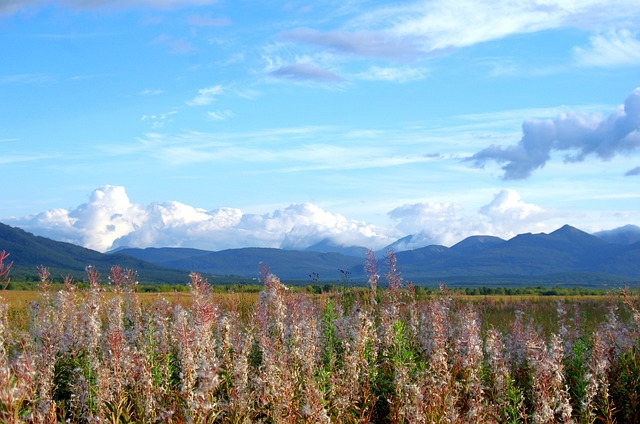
(565, 251)
(566, 254)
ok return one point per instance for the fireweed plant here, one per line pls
(379, 355)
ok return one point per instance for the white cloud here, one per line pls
(447, 223)
(414, 218)
(581, 135)
(361, 43)
(110, 220)
(151, 92)
(441, 24)
(377, 73)
(443, 223)
(107, 216)
(157, 121)
(287, 149)
(220, 115)
(616, 48)
(415, 29)
(206, 96)
(510, 215)
(305, 72)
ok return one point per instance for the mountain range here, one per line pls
(567, 256)
(27, 252)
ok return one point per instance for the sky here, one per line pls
(221, 124)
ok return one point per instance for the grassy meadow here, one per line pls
(395, 354)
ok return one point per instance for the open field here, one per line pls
(354, 355)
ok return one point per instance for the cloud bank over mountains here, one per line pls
(110, 220)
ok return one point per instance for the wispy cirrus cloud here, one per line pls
(151, 92)
(21, 158)
(305, 72)
(220, 115)
(175, 45)
(206, 96)
(27, 79)
(615, 48)
(206, 21)
(159, 120)
(278, 150)
(421, 28)
(393, 74)
(361, 43)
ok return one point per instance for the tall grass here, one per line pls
(381, 355)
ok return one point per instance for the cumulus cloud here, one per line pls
(110, 220)
(446, 223)
(297, 226)
(413, 218)
(442, 223)
(313, 225)
(581, 135)
(107, 216)
(616, 48)
(509, 215)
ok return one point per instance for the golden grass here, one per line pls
(496, 310)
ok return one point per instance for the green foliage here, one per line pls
(576, 367)
(515, 406)
(625, 393)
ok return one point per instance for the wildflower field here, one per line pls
(353, 355)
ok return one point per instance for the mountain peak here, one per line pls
(570, 231)
(476, 243)
(567, 229)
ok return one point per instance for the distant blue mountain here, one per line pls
(565, 256)
(28, 252)
(475, 244)
(327, 246)
(628, 234)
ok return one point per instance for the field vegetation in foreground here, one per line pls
(350, 355)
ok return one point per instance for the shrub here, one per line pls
(351, 355)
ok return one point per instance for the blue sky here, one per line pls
(218, 124)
